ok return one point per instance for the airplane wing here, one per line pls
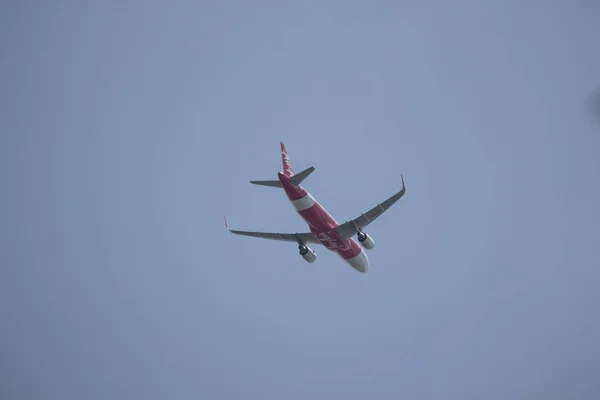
(351, 228)
(286, 237)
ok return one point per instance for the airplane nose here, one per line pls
(360, 262)
(365, 267)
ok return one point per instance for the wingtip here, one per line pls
(226, 225)
(402, 177)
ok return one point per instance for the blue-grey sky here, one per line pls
(129, 128)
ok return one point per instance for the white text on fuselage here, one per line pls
(330, 243)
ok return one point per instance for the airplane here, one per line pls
(324, 229)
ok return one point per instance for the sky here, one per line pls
(130, 128)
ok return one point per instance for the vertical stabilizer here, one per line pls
(287, 165)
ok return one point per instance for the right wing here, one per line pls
(351, 228)
(286, 237)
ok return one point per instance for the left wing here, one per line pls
(351, 228)
(286, 237)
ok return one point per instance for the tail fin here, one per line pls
(287, 171)
(287, 165)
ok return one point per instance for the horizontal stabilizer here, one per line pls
(300, 176)
(276, 184)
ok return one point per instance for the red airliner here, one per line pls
(323, 227)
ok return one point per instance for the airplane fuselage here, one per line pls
(322, 225)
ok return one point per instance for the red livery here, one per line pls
(324, 229)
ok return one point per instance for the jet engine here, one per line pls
(366, 241)
(307, 253)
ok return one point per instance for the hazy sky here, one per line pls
(129, 128)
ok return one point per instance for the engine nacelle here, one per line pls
(365, 240)
(307, 253)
